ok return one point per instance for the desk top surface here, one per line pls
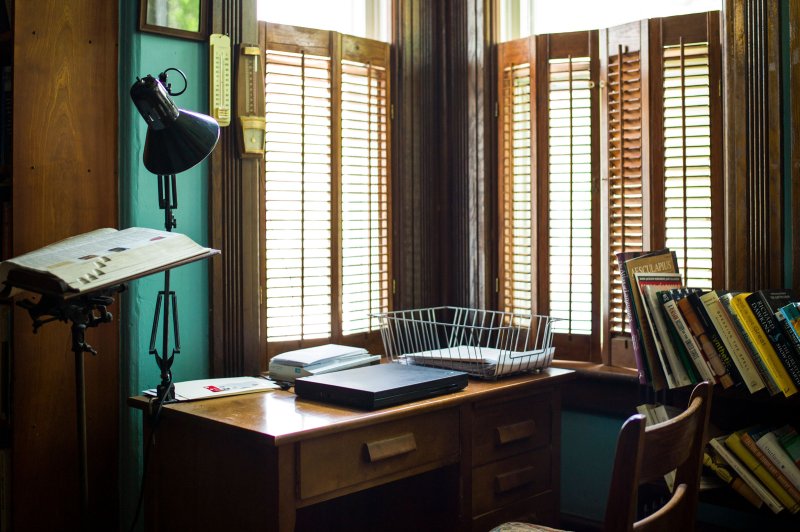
(282, 417)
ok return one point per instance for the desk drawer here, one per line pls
(356, 459)
(501, 483)
(507, 428)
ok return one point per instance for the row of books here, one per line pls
(683, 335)
(762, 464)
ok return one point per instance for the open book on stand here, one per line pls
(98, 259)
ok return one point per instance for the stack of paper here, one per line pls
(317, 360)
(208, 388)
(482, 361)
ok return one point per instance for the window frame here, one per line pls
(339, 47)
(601, 345)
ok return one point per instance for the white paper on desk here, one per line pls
(208, 388)
(485, 360)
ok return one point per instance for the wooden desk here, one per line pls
(271, 461)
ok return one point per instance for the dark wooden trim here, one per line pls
(754, 219)
(235, 228)
(200, 35)
(794, 140)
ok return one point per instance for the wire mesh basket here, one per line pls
(483, 343)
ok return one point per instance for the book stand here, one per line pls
(82, 311)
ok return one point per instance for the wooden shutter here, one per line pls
(686, 144)
(625, 192)
(364, 141)
(298, 182)
(327, 159)
(567, 170)
(517, 192)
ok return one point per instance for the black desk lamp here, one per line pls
(176, 141)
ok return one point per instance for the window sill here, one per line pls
(596, 370)
(600, 389)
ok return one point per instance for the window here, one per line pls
(326, 184)
(596, 158)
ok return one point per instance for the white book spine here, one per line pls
(772, 448)
(733, 344)
(689, 342)
(679, 374)
(719, 445)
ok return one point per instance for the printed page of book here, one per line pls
(105, 256)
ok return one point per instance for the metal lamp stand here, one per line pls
(83, 311)
(166, 299)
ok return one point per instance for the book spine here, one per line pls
(718, 444)
(675, 340)
(707, 350)
(774, 333)
(772, 448)
(734, 443)
(790, 335)
(725, 473)
(713, 337)
(766, 376)
(765, 461)
(635, 339)
(790, 442)
(792, 315)
(689, 342)
(656, 314)
(741, 358)
(763, 346)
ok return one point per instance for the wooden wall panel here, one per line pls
(754, 223)
(469, 131)
(235, 228)
(442, 124)
(65, 182)
(418, 186)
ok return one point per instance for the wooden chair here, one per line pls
(646, 454)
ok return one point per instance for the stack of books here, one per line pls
(767, 461)
(682, 335)
(760, 463)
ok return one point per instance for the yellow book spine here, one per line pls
(734, 443)
(761, 343)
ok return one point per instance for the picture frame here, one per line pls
(187, 19)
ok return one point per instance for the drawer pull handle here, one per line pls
(514, 479)
(390, 447)
(515, 432)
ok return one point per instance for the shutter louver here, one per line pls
(298, 196)
(516, 171)
(570, 190)
(365, 195)
(687, 159)
(625, 173)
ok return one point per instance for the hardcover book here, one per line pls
(718, 348)
(669, 301)
(762, 344)
(661, 261)
(734, 344)
(765, 305)
(769, 381)
(649, 284)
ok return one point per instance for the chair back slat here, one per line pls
(645, 454)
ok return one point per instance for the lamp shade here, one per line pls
(177, 139)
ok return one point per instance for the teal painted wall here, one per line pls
(142, 54)
(588, 442)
